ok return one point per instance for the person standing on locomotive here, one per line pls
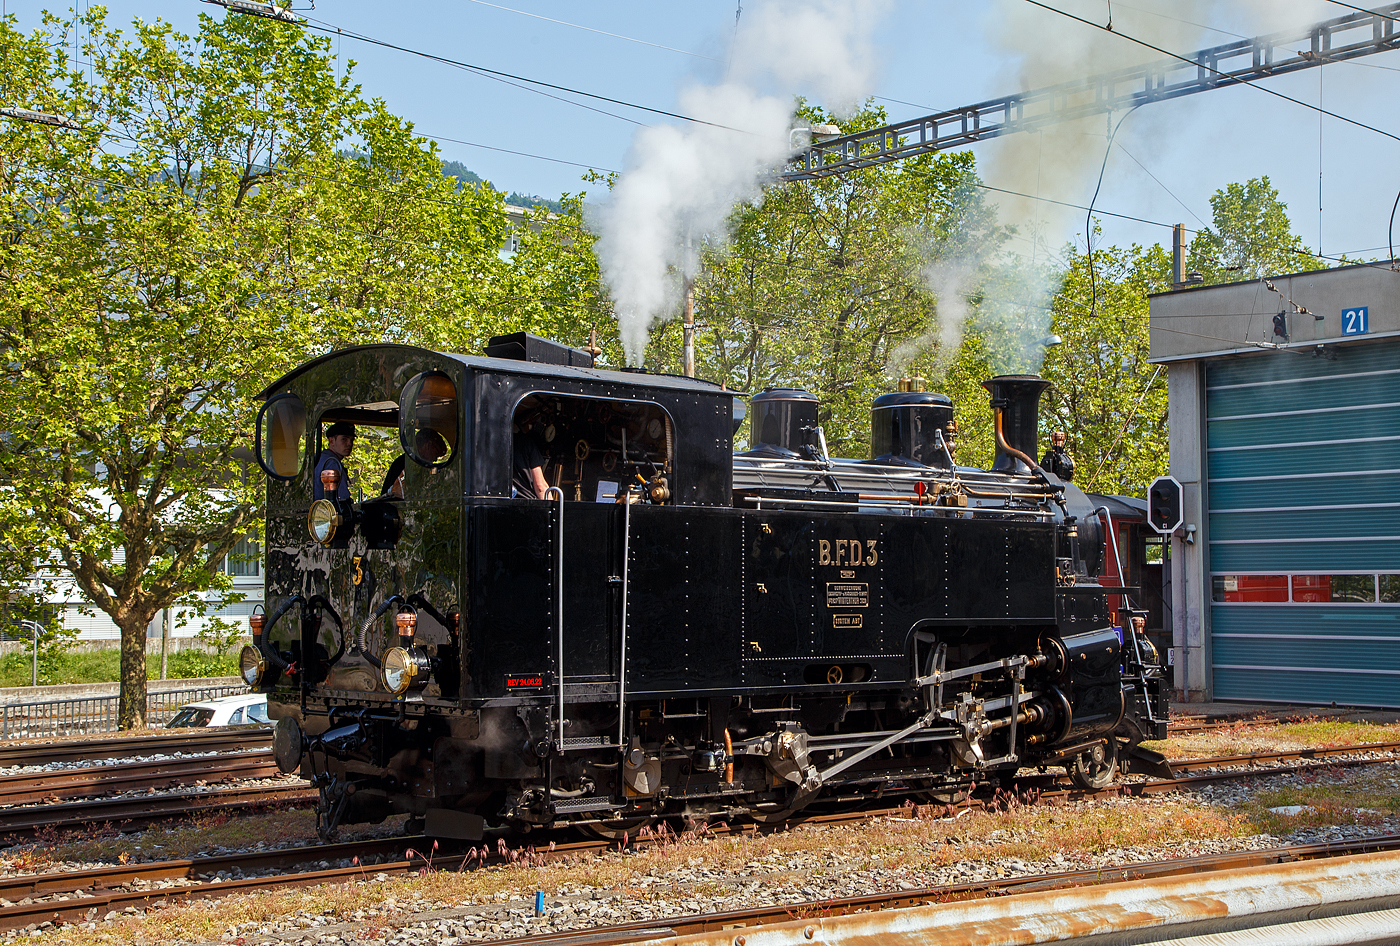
(340, 443)
(527, 468)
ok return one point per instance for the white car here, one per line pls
(247, 708)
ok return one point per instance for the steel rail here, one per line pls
(1214, 67)
(89, 781)
(132, 810)
(87, 893)
(81, 907)
(81, 750)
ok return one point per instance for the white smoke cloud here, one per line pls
(1064, 160)
(682, 181)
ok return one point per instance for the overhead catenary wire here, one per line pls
(331, 29)
(1089, 216)
(579, 26)
(1207, 68)
(1350, 6)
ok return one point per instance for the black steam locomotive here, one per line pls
(672, 628)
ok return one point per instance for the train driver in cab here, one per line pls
(340, 443)
(527, 468)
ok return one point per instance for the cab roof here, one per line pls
(633, 378)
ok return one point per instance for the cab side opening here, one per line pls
(593, 449)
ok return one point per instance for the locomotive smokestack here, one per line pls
(1016, 413)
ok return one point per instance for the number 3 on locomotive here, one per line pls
(847, 552)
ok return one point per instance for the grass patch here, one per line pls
(61, 667)
(731, 866)
(1326, 797)
(104, 666)
(1251, 736)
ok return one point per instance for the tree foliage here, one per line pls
(825, 284)
(1111, 403)
(1251, 237)
(227, 210)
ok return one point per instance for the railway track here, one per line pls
(224, 739)
(136, 811)
(97, 780)
(82, 896)
(129, 812)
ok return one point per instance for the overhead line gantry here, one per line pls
(1236, 63)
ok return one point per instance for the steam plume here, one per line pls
(682, 181)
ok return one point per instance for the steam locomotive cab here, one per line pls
(671, 628)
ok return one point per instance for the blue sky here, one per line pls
(937, 53)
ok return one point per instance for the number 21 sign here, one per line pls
(1356, 321)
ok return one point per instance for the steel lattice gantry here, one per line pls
(1246, 60)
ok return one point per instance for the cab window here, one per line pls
(281, 436)
(592, 449)
(428, 419)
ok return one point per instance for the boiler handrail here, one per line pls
(558, 494)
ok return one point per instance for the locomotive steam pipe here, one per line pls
(362, 636)
(1005, 447)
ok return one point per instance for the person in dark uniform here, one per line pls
(340, 443)
(1057, 460)
(527, 468)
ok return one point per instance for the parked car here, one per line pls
(247, 708)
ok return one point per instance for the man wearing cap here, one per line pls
(340, 442)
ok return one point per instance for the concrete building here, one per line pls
(1284, 411)
(72, 608)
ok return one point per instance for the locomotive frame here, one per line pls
(675, 629)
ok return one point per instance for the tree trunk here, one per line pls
(131, 704)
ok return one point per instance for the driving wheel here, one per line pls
(1095, 768)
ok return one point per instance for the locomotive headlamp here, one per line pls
(322, 519)
(251, 665)
(403, 670)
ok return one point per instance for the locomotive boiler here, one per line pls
(673, 628)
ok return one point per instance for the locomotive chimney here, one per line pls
(1016, 414)
(784, 424)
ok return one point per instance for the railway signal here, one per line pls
(1164, 505)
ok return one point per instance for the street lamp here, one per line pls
(35, 629)
(818, 133)
(252, 8)
(40, 118)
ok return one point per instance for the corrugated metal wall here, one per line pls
(1304, 464)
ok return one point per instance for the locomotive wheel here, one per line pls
(614, 830)
(1097, 768)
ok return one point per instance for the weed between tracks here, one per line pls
(1261, 735)
(1326, 797)
(711, 872)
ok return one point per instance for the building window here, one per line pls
(243, 561)
(1252, 588)
(1367, 588)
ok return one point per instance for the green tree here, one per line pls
(1252, 236)
(1111, 403)
(227, 209)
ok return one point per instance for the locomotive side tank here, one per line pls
(671, 629)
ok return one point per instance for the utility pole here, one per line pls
(688, 329)
(1179, 256)
(688, 318)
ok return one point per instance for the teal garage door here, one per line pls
(1303, 460)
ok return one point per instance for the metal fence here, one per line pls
(90, 714)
